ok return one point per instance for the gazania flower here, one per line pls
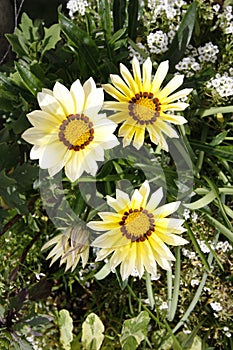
(137, 232)
(69, 247)
(68, 132)
(143, 103)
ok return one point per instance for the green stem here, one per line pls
(202, 153)
(174, 302)
(198, 292)
(169, 291)
(150, 290)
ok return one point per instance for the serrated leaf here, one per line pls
(134, 331)
(92, 332)
(51, 38)
(65, 323)
(182, 37)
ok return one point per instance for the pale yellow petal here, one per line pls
(128, 263)
(155, 199)
(136, 200)
(167, 129)
(174, 119)
(137, 73)
(78, 96)
(173, 84)
(53, 153)
(129, 79)
(179, 106)
(110, 217)
(177, 95)
(144, 191)
(139, 137)
(121, 86)
(50, 104)
(43, 120)
(116, 106)
(172, 239)
(74, 167)
(62, 94)
(118, 256)
(115, 93)
(166, 210)
(147, 70)
(159, 76)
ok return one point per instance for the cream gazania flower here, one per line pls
(68, 131)
(137, 232)
(143, 104)
(70, 246)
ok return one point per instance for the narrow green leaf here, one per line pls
(104, 12)
(86, 46)
(225, 152)
(133, 7)
(182, 37)
(104, 272)
(202, 202)
(197, 247)
(219, 138)
(92, 332)
(116, 36)
(174, 301)
(32, 83)
(119, 14)
(225, 231)
(66, 327)
(214, 110)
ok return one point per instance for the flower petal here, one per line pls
(62, 94)
(77, 93)
(159, 76)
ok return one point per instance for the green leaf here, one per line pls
(65, 323)
(104, 272)
(116, 36)
(182, 37)
(225, 152)
(202, 202)
(119, 14)
(86, 46)
(225, 231)
(213, 110)
(219, 138)
(51, 38)
(134, 331)
(32, 83)
(104, 12)
(92, 332)
(133, 6)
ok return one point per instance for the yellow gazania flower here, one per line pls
(70, 246)
(68, 131)
(137, 232)
(143, 104)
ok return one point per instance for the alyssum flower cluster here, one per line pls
(69, 132)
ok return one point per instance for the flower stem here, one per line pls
(174, 301)
(149, 290)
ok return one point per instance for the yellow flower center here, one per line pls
(144, 108)
(76, 132)
(137, 224)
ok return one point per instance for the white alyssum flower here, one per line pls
(76, 6)
(135, 53)
(223, 84)
(216, 306)
(208, 52)
(157, 42)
